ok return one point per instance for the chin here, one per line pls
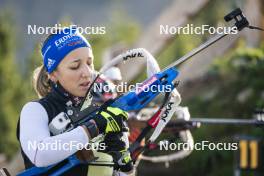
(81, 94)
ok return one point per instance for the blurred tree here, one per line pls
(11, 89)
(233, 87)
(117, 30)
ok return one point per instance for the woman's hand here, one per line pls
(110, 120)
(107, 120)
(116, 147)
(85, 155)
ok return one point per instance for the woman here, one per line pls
(62, 81)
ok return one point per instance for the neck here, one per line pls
(76, 101)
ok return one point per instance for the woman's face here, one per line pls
(75, 71)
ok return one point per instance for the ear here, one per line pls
(53, 76)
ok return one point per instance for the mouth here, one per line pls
(85, 85)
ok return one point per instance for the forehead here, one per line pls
(82, 54)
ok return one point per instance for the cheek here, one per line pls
(71, 78)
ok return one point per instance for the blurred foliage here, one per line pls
(118, 30)
(236, 79)
(211, 15)
(12, 87)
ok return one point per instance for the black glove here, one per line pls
(116, 147)
(110, 119)
(107, 120)
(122, 160)
(114, 142)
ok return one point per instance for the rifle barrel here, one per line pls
(219, 121)
(196, 50)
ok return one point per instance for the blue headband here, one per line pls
(61, 44)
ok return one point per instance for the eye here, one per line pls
(75, 67)
(89, 63)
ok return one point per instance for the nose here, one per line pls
(86, 71)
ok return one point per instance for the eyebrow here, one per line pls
(78, 59)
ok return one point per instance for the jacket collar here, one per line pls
(63, 96)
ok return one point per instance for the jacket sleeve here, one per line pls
(36, 142)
